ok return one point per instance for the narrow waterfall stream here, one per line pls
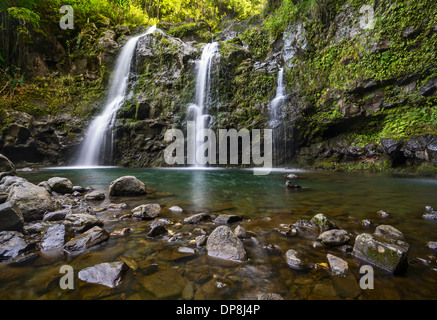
(202, 99)
(98, 142)
(277, 120)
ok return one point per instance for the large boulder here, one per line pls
(60, 185)
(224, 244)
(127, 186)
(7, 168)
(11, 218)
(107, 274)
(90, 238)
(383, 249)
(33, 201)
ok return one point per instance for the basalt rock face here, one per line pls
(50, 140)
(336, 117)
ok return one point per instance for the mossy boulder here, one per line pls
(388, 254)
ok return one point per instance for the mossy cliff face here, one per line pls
(357, 98)
(365, 88)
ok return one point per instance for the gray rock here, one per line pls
(55, 237)
(270, 296)
(197, 218)
(389, 232)
(432, 245)
(227, 218)
(223, 244)
(6, 183)
(176, 209)
(430, 216)
(322, 222)
(201, 240)
(95, 196)
(81, 222)
(79, 189)
(60, 185)
(383, 214)
(56, 215)
(37, 228)
(127, 186)
(90, 238)
(335, 237)
(32, 201)
(338, 266)
(146, 211)
(388, 255)
(294, 260)
(107, 274)
(12, 244)
(240, 232)
(46, 186)
(11, 218)
(157, 228)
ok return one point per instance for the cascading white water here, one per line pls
(277, 118)
(100, 136)
(202, 99)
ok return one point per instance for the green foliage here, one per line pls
(257, 40)
(278, 21)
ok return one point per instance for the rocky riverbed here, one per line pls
(126, 241)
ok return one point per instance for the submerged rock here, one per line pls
(270, 296)
(90, 238)
(60, 185)
(294, 260)
(32, 201)
(107, 274)
(146, 211)
(127, 186)
(175, 209)
(11, 218)
(12, 244)
(223, 244)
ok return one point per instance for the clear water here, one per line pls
(345, 198)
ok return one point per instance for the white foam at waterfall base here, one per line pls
(99, 136)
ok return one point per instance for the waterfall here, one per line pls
(99, 138)
(202, 99)
(277, 119)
